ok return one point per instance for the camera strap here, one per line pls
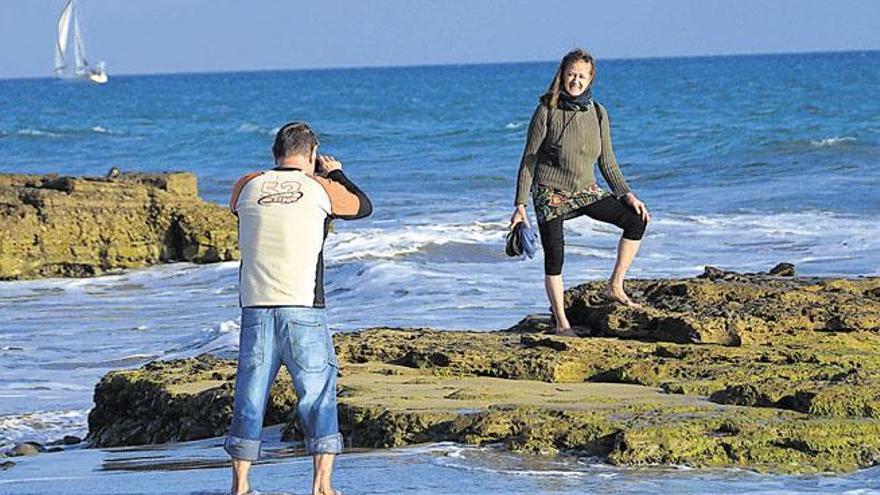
(565, 126)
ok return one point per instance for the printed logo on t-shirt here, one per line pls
(279, 192)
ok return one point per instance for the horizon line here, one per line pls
(456, 64)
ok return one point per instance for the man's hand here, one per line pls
(637, 205)
(329, 164)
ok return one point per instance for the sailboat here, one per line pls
(82, 69)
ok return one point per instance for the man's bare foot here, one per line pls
(619, 296)
(326, 491)
(566, 332)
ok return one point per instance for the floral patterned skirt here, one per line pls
(553, 203)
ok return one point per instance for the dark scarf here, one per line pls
(581, 102)
(567, 102)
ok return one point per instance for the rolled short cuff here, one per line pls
(331, 444)
(242, 448)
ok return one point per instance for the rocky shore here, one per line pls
(768, 372)
(53, 226)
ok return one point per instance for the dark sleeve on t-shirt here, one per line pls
(364, 206)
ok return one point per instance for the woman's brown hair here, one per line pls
(551, 96)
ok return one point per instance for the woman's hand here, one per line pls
(519, 215)
(637, 205)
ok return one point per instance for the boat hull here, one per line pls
(97, 78)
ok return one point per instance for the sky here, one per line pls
(161, 36)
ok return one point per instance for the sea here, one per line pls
(743, 161)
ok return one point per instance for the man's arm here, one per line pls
(236, 190)
(348, 211)
(347, 201)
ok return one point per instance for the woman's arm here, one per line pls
(537, 131)
(611, 172)
(607, 162)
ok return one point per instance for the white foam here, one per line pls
(37, 133)
(248, 127)
(489, 460)
(42, 385)
(136, 357)
(103, 130)
(387, 243)
(218, 339)
(833, 141)
(48, 478)
(740, 226)
(42, 426)
(156, 277)
(513, 125)
(251, 128)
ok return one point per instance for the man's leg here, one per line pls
(240, 470)
(311, 360)
(258, 363)
(323, 469)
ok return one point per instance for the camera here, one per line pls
(319, 165)
(552, 151)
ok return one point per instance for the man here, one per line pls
(283, 218)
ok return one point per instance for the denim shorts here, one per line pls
(299, 338)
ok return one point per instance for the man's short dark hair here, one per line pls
(294, 138)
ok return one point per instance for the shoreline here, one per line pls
(641, 387)
(709, 356)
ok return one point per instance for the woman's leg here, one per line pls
(612, 210)
(626, 252)
(554, 288)
(553, 242)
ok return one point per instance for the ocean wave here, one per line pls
(810, 223)
(12, 385)
(220, 339)
(411, 239)
(513, 125)
(29, 132)
(145, 279)
(833, 141)
(495, 461)
(42, 426)
(103, 130)
(250, 128)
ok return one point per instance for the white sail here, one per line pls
(82, 69)
(79, 48)
(63, 32)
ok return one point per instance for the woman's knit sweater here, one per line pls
(581, 145)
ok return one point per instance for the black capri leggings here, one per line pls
(608, 210)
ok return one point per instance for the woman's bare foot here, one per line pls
(563, 328)
(566, 332)
(617, 294)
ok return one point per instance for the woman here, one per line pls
(567, 134)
